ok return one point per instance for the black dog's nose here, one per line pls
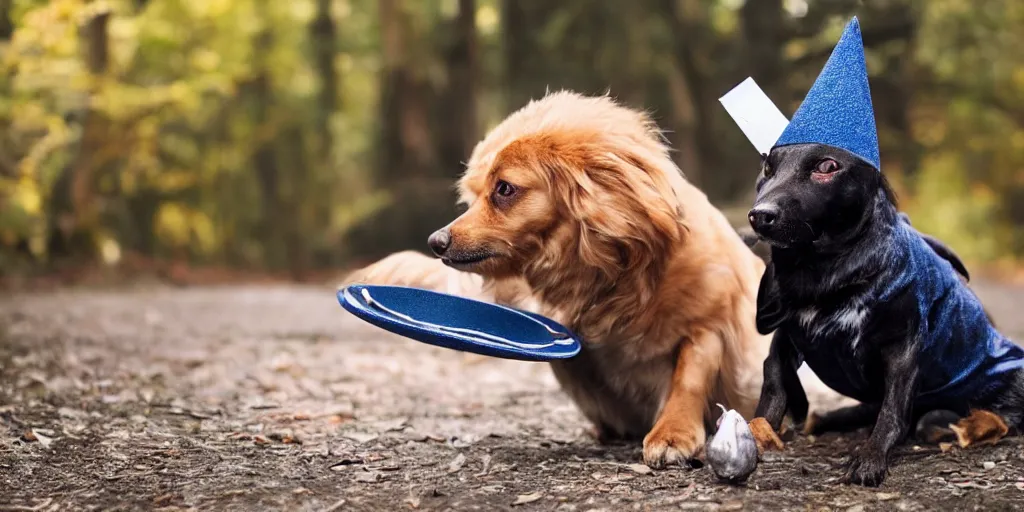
(440, 241)
(762, 217)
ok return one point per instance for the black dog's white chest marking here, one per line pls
(846, 321)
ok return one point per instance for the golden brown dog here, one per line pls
(576, 211)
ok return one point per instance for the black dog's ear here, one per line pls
(947, 254)
(943, 250)
(770, 313)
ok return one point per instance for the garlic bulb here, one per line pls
(732, 451)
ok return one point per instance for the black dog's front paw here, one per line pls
(868, 470)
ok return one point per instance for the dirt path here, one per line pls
(274, 398)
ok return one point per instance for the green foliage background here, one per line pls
(313, 134)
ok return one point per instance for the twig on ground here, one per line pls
(335, 506)
(45, 503)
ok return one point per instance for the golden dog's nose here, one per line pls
(439, 241)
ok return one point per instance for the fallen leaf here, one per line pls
(456, 464)
(337, 505)
(341, 464)
(374, 457)
(40, 506)
(36, 435)
(640, 469)
(260, 439)
(68, 412)
(394, 425)
(971, 484)
(886, 496)
(502, 467)
(412, 435)
(523, 499)
(462, 442)
(486, 466)
(163, 499)
(284, 437)
(361, 437)
(369, 477)
(945, 447)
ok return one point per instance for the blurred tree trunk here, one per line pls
(74, 213)
(274, 218)
(323, 33)
(688, 118)
(460, 127)
(6, 25)
(629, 82)
(515, 46)
(406, 147)
(293, 223)
(763, 39)
(523, 57)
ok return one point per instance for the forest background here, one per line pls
(297, 137)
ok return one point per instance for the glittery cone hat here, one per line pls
(837, 110)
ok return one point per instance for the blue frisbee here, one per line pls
(459, 323)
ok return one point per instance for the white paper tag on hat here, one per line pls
(761, 121)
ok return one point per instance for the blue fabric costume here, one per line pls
(962, 357)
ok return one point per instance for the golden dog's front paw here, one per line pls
(672, 443)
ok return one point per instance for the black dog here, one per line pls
(872, 306)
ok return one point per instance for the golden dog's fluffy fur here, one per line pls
(576, 211)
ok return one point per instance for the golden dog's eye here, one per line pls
(826, 166)
(504, 189)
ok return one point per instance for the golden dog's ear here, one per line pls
(627, 212)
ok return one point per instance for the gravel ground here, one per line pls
(273, 398)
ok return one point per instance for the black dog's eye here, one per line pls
(766, 168)
(504, 189)
(826, 166)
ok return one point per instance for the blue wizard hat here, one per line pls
(837, 110)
